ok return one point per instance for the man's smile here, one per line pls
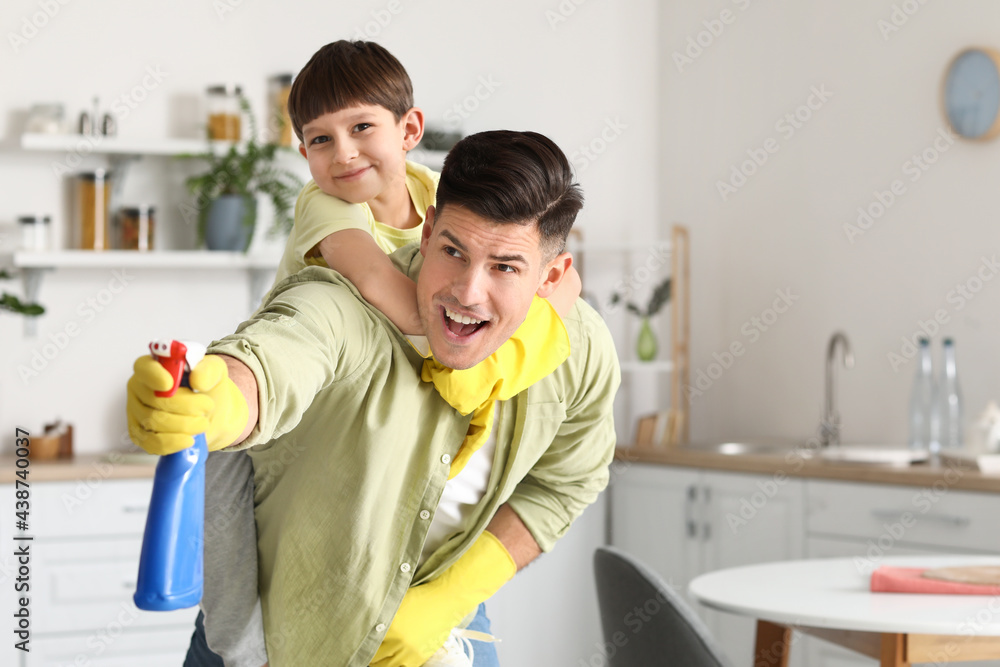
(459, 327)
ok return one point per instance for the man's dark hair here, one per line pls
(344, 74)
(513, 177)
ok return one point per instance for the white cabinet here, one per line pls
(88, 535)
(8, 573)
(872, 522)
(682, 522)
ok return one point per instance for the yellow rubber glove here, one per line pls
(213, 406)
(430, 612)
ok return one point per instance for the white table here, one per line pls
(830, 599)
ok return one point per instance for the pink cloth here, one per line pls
(908, 580)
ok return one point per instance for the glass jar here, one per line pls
(279, 123)
(93, 192)
(34, 232)
(46, 119)
(224, 112)
(135, 227)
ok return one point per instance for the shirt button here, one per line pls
(380, 627)
(424, 514)
(446, 459)
(405, 567)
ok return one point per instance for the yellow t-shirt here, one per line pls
(317, 215)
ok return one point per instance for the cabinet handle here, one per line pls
(692, 498)
(706, 527)
(949, 519)
(135, 509)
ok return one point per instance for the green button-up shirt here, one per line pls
(351, 446)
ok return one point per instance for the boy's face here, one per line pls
(481, 270)
(357, 154)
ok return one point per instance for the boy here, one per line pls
(351, 107)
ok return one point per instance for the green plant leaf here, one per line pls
(659, 298)
(15, 305)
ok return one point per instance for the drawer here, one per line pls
(88, 586)
(932, 516)
(90, 507)
(127, 647)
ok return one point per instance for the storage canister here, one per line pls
(224, 112)
(34, 232)
(93, 194)
(136, 227)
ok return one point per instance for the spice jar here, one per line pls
(279, 123)
(34, 232)
(135, 227)
(93, 192)
(224, 112)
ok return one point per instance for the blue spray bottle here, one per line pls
(171, 564)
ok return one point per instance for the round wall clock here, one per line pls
(972, 93)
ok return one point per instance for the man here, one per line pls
(367, 552)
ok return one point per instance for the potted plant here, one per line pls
(225, 194)
(646, 346)
(13, 304)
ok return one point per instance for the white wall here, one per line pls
(566, 76)
(784, 229)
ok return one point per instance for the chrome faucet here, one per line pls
(829, 428)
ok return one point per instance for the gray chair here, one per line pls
(645, 622)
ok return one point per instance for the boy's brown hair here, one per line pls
(513, 177)
(344, 74)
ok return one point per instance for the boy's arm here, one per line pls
(354, 254)
(566, 294)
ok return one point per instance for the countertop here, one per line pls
(793, 464)
(109, 465)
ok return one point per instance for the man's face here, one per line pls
(477, 283)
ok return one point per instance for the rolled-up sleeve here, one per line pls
(573, 469)
(310, 334)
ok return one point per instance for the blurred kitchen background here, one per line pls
(773, 131)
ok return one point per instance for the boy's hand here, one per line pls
(213, 406)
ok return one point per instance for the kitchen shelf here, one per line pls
(156, 259)
(662, 366)
(676, 259)
(120, 146)
(33, 264)
(165, 146)
(617, 246)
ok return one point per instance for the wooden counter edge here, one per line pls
(80, 467)
(793, 465)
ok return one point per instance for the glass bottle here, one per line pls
(949, 402)
(921, 400)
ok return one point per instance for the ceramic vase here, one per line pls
(224, 226)
(645, 348)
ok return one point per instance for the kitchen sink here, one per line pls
(742, 447)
